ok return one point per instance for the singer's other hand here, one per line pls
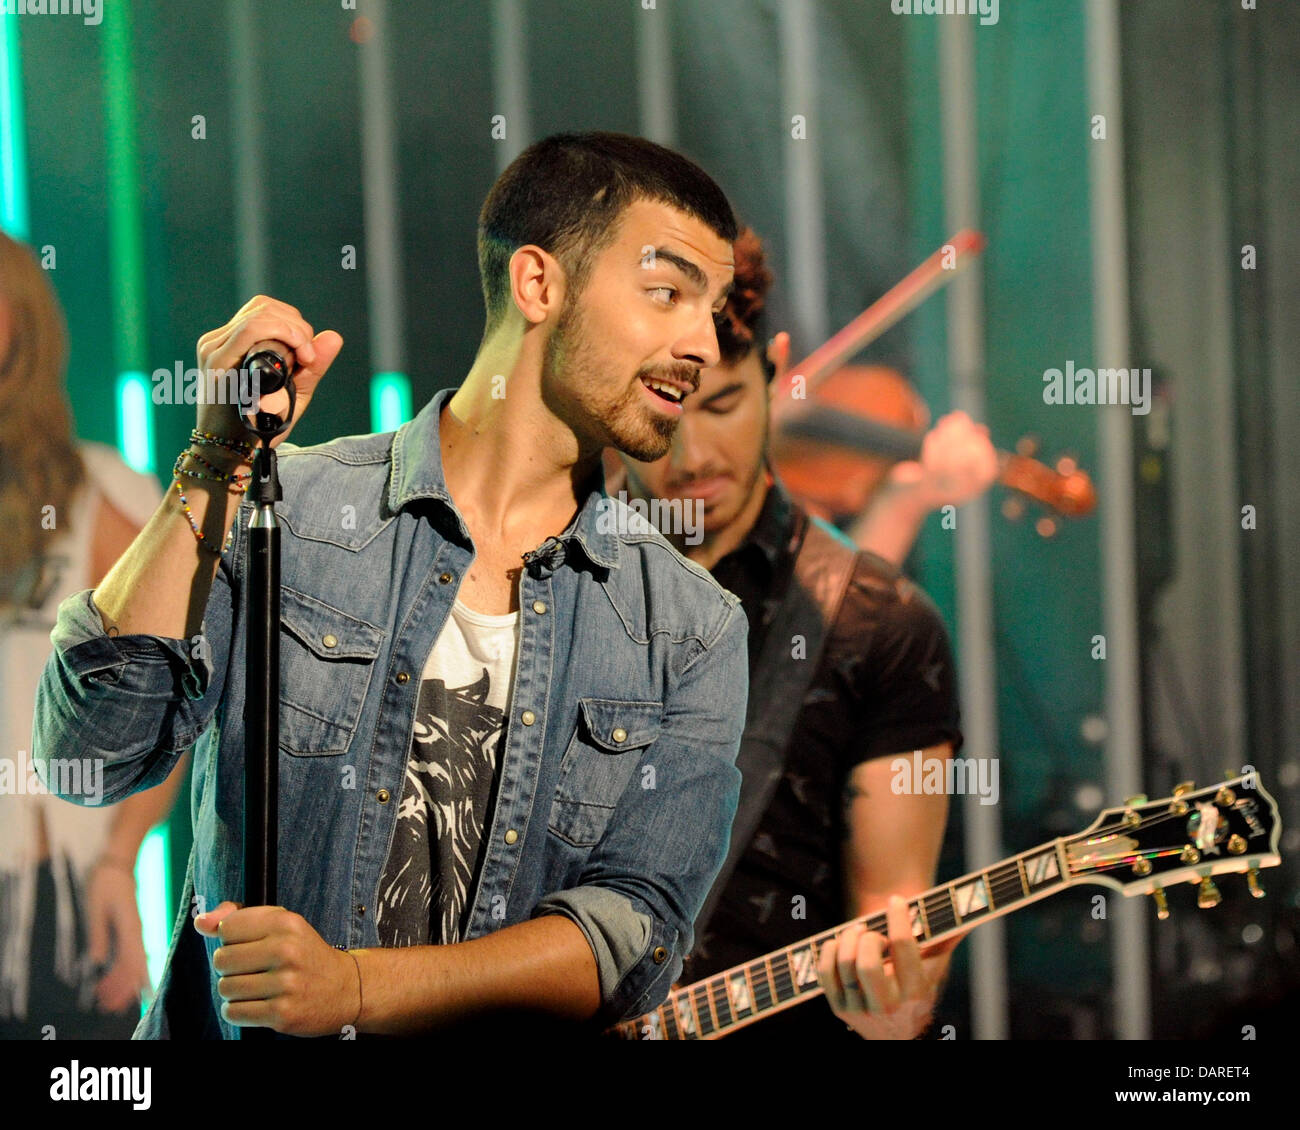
(222, 351)
(275, 971)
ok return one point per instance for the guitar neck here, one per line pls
(720, 1004)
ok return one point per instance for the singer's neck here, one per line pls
(506, 457)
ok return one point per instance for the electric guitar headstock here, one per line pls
(1146, 846)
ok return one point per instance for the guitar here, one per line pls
(1140, 849)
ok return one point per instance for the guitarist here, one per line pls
(830, 840)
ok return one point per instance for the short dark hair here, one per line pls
(566, 194)
(742, 325)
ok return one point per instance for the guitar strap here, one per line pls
(823, 566)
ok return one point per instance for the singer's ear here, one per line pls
(537, 283)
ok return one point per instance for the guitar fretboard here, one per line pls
(785, 977)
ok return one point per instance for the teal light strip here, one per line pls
(390, 401)
(134, 401)
(152, 874)
(135, 420)
(125, 219)
(14, 215)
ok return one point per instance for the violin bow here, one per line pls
(897, 302)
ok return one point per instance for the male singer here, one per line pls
(510, 710)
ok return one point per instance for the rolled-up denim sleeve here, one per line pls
(135, 703)
(647, 879)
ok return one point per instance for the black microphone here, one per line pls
(266, 368)
(269, 366)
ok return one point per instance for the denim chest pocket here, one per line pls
(602, 754)
(327, 658)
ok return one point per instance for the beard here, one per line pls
(576, 385)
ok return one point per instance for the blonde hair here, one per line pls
(39, 462)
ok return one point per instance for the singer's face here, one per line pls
(645, 314)
(718, 452)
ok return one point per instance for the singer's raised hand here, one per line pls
(263, 319)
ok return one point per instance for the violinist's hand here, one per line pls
(778, 352)
(958, 463)
(879, 1000)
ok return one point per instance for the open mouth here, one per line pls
(671, 393)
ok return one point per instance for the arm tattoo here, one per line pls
(851, 793)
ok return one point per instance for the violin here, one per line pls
(862, 419)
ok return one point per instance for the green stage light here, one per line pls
(390, 401)
(134, 399)
(152, 881)
(13, 142)
(135, 420)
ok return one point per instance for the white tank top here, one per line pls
(75, 834)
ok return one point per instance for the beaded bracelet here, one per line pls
(235, 478)
(207, 439)
(198, 534)
(240, 478)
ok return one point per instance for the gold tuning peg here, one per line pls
(1184, 787)
(1162, 904)
(1208, 895)
(1252, 881)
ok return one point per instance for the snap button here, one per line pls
(361, 908)
(403, 677)
(539, 606)
(382, 796)
(619, 735)
(330, 641)
(528, 717)
(660, 955)
(444, 578)
(511, 836)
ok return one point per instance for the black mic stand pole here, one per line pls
(262, 682)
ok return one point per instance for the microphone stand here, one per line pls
(262, 681)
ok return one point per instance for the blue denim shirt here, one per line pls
(617, 774)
